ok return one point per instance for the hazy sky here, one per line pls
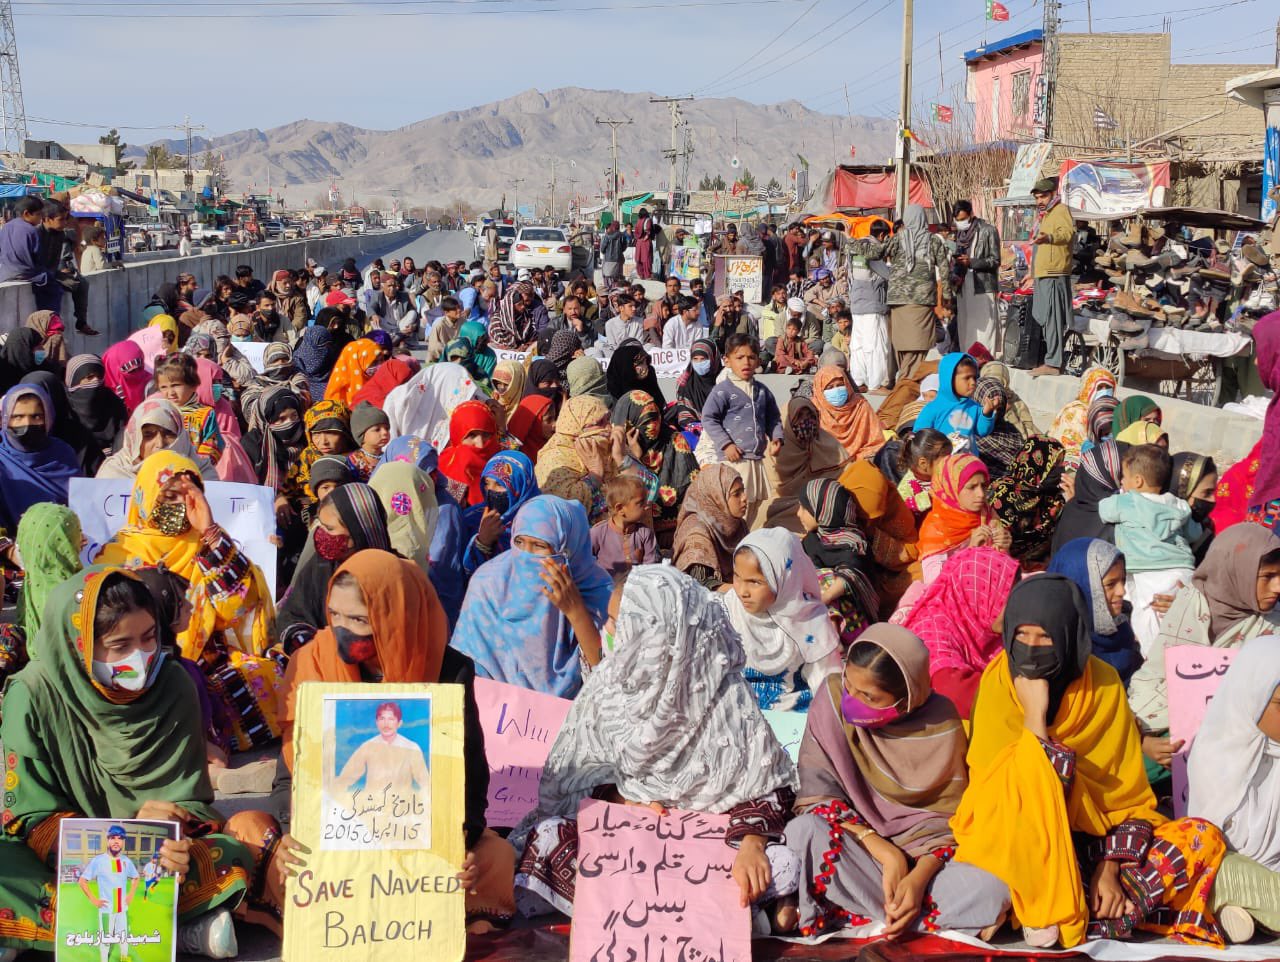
(233, 64)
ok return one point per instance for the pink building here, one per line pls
(1004, 87)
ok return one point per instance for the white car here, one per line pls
(542, 247)
(208, 234)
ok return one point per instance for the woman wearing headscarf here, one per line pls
(356, 364)
(534, 423)
(389, 376)
(661, 450)
(890, 529)
(95, 407)
(585, 376)
(278, 370)
(510, 625)
(1097, 479)
(473, 440)
(711, 525)
(956, 618)
(1057, 793)
(49, 541)
(66, 427)
(408, 643)
(276, 439)
(408, 496)
(882, 764)
(1097, 568)
(35, 466)
(580, 456)
(808, 453)
(508, 382)
(1028, 500)
(509, 483)
(1143, 432)
(155, 425)
(512, 327)
(1016, 411)
(666, 719)
(828, 519)
(630, 369)
(22, 354)
(1234, 782)
(1134, 409)
(315, 357)
(545, 379)
(845, 414)
(126, 374)
(564, 347)
(960, 516)
(1231, 598)
(52, 335)
(998, 449)
(1071, 426)
(776, 608)
(421, 405)
(87, 741)
(1194, 479)
(233, 464)
(1254, 484)
(461, 352)
(350, 519)
(482, 353)
(232, 620)
(700, 376)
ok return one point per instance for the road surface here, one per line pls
(436, 245)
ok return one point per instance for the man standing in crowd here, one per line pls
(975, 274)
(613, 248)
(1051, 267)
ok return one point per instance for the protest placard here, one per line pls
(519, 729)
(1192, 676)
(113, 892)
(789, 727)
(686, 263)
(378, 799)
(503, 354)
(245, 511)
(740, 272)
(253, 352)
(653, 886)
(668, 362)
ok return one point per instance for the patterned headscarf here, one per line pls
(1029, 499)
(1101, 417)
(505, 328)
(514, 471)
(836, 512)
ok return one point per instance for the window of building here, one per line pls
(1022, 96)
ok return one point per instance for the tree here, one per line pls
(217, 167)
(711, 183)
(159, 158)
(747, 179)
(112, 139)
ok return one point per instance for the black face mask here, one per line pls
(30, 437)
(352, 648)
(1036, 663)
(497, 501)
(1201, 509)
(288, 433)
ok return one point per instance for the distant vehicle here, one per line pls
(273, 229)
(329, 230)
(472, 228)
(294, 230)
(542, 247)
(158, 236)
(356, 225)
(506, 240)
(207, 234)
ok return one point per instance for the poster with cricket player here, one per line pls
(116, 902)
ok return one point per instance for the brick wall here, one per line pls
(1123, 73)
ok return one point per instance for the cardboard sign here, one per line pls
(519, 729)
(686, 263)
(1192, 676)
(253, 352)
(789, 727)
(378, 798)
(245, 511)
(740, 272)
(505, 354)
(652, 887)
(113, 894)
(668, 362)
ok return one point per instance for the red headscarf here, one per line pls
(526, 424)
(390, 375)
(461, 462)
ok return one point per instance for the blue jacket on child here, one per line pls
(730, 417)
(951, 414)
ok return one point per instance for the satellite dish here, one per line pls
(735, 163)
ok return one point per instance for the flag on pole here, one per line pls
(908, 134)
(942, 114)
(997, 11)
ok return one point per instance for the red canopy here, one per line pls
(875, 189)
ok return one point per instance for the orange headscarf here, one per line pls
(854, 425)
(947, 524)
(410, 632)
(349, 375)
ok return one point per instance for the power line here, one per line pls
(298, 9)
(750, 60)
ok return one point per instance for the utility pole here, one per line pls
(1049, 69)
(903, 160)
(672, 154)
(554, 164)
(187, 128)
(613, 130)
(13, 115)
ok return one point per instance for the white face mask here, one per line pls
(129, 674)
(961, 224)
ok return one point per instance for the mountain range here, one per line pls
(513, 147)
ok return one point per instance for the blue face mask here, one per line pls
(837, 396)
(40, 356)
(702, 367)
(217, 393)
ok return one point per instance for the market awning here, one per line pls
(632, 204)
(1206, 217)
(215, 211)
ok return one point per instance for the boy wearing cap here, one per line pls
(371, 428)
(117, 881)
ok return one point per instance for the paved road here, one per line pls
(436, 245)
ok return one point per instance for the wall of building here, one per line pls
(1196, 90)
(116, 297)
(1013, 121)
(1123, 73)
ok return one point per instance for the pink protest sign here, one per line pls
(519, 727)
(656, 887)
(1192, 673)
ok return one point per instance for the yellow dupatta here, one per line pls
(1015, 821)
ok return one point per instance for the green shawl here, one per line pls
(49, 545)
(71, 748)
(1130, 410)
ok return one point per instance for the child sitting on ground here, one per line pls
(953, 411)
(177, 378)
(792, 355)
(915, 461)
(624, 539)
(372, 430)
(1154, 530)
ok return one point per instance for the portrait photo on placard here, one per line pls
(377, 774)
(116, 902)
